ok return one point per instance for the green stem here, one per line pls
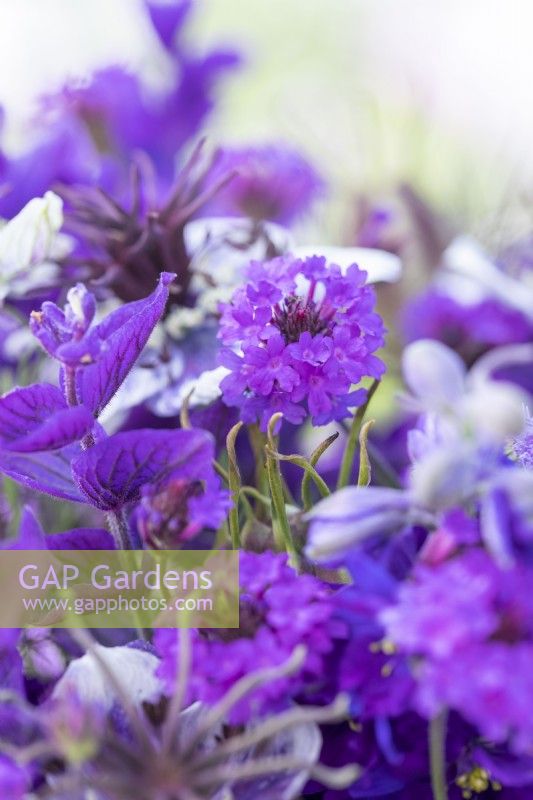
(348, 456)
(257, 442)
(307, 499)
(234, 479)
(437, 755)
(282, 528)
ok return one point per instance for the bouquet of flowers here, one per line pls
(182, 374)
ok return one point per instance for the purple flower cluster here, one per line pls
(468, 626)
(279, 610)
(298, 336)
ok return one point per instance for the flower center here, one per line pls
(296, 316)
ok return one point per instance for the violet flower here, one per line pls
(91, 131)
(272, 183)
(292, 321)
(279, 610)
(105, 729)
(468, 623)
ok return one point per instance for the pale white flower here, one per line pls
(204, 389)
(134, 670)
(30, 244)
(462, 404)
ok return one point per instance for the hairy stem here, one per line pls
(125, 539)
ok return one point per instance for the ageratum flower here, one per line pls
(272, 182)
(279, 610)
(298, 336)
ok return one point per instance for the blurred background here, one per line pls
(432, 92)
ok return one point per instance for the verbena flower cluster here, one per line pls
(307, 332)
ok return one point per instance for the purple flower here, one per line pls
(340, 522)
(97, 359)
(14, 779)
(128, 244)
(469, 625)
(272, 183)
(178, 507)
(92, 130)
(279, 610)
(307, 332)
(468, 329)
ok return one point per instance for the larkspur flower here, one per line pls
(279, 610)
(307, 331)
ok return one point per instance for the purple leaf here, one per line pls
(112, 472)
(37, 418)
(23, 409)
(125, 333)
(47, 472)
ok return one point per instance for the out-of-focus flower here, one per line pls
(468, 624)
(92, 129)
(134, 670)
(128, 248)
(181, 505)
(30, 244)
(119, 736)
(469, 329)
(475, 303)
(15, 780)
(352, 514)
(307, 332)
(272, 183)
